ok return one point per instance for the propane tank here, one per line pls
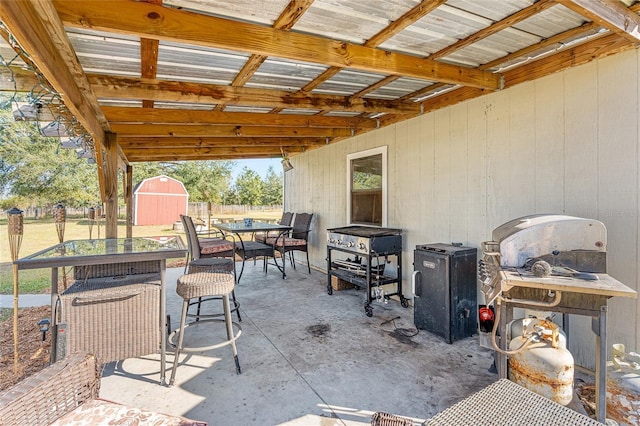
(543, 365)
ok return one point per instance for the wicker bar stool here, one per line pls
(213, 264)
(204, 284)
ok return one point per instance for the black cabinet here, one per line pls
(445, 290)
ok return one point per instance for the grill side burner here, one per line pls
(367, 243)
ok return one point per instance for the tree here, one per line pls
(249, 188)
(205, 180)
(38, 171)
(272, 194)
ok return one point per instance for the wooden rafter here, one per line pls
(182, 154)
(611, 14)
(118, 115)
(106, 86)
(413, 15)
(149, 57)
(129, 143)
(197, 130)
(509, 21)
(150, 21)
(577, 55)
(289, 16)
(558, 39)
(291, 13)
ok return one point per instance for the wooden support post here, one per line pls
(129, 199)
(111, 185)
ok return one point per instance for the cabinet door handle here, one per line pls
(413, 283)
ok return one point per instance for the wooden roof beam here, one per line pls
(204, 142)
(289, 16)
(197, 130)
(149, 57)
(185, 116)
(413, 15)
(185, 154)
(150, 21)
(610, 14)
(113, 87)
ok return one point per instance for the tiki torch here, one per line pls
(98, 217)
(60, 216)
(92, 218)
(15, 227)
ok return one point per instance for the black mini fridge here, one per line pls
(445, 290)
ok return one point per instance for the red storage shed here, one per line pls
(159, 200)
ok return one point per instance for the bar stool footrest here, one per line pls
(205, 348)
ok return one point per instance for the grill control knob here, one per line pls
(351, 244)
(362, 246)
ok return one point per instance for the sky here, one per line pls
(259, 166)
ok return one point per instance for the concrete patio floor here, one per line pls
(307, 358)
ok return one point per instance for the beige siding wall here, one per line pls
(566, 143)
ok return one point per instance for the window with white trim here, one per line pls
(367, 187)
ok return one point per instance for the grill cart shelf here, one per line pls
(365, 244)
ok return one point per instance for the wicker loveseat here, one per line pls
(67, 392)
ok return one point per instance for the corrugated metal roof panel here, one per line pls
(348, 82)
(264, 12)
(299, 111)
(552, 21)
(284, 75)
(240, 108)
(104, 53)
(492, 10)
(398, 88)
(439, 29)
(183, 105)
(119, 102)
(342, 114)
(351, 20)
(194, 63)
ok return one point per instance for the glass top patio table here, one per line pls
(95, 252)
(248, 246)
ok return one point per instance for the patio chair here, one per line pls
(204, 247)
(297, 240)
(219, 257)
(286, 219)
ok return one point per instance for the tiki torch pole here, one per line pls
(60, 216)
(98, 217)
(92, 218)
(209, 217)
(15, 227)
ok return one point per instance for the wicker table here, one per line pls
(110, 255)
(506, 403)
